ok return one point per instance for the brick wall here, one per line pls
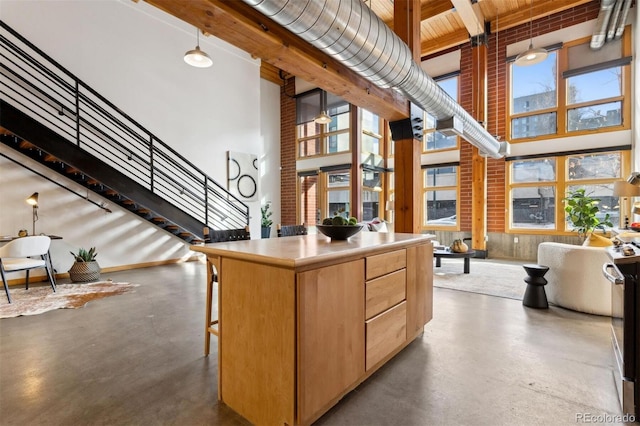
(288, 154)
(496, 119)
(497, 108)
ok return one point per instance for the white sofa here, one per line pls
(575, 279)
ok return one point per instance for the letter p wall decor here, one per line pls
(242, 175)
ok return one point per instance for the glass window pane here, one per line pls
(309, 147)
(308, 129)
(533, 125)
(338, 143)
(450, 86)
(309, 208)
(436, 140)
(339, 120)
(441, 176)
(594, 166)
(594, 85)
(429, 121)
(534, 87)
(533, 207)
(339, 203)
(440, 208)
(541, 170)
(595, 116)
(370, 144)
(370, 122)
(372, 179)
(370, 204)
(338, 179)
(608, 203)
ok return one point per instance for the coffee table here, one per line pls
(439, 254)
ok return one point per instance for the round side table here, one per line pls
(535, 296)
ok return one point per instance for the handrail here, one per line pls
(48, 92)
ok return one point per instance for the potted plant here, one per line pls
(85, 268)
(266, 221)
(582, 212)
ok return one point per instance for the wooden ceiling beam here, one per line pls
(457, 38)
(244, 27)
(471, 16)
(431, 8)
(540, 10)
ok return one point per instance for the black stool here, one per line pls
(534, 296)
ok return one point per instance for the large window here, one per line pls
(574, 90)
(371, 133)
(534, 99)
(434, 140)
(371, 193)
(338, 193)
(538, 186)
(440, 197)
(321, 139)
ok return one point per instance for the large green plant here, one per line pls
(581, 211)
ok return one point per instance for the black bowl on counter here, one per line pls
(339, 232)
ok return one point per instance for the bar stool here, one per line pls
(211, 326)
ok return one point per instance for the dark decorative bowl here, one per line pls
(339, 232)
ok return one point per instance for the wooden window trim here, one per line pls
(562, 107)
(560, 184)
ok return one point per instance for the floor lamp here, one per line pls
(33, 200)
(625, 190)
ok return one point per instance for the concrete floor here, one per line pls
(136, 359)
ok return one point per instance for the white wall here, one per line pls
(131, 53)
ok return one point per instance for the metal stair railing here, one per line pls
(40, 87)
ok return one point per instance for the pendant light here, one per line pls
(532, 55)
(196, 57)
(323, 117)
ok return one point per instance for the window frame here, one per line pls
(426, 189)
(432, 130)
(563, 106)
(561, 185)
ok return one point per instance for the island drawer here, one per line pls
(385, 333)
(384, 292)
(381, 264)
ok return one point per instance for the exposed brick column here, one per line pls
(288, 192)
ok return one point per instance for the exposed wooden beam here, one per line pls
(431, 8)
(471, 16)
(540, 10)
(457, 38)
(242, 26)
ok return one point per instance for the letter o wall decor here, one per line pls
(242, 172)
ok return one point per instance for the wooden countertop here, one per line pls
(304, 250)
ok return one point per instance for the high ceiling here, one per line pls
(449, 23)
(443, 24)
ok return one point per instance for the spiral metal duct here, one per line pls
(350, 32)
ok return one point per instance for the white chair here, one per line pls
(20, 255)
(575, 279)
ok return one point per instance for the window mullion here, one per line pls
(561, 119)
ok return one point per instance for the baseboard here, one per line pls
(65, 275)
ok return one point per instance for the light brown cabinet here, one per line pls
(304, 320)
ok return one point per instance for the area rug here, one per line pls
(491, 277)
(39, 299)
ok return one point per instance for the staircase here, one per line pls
(54, 118)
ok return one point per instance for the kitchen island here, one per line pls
(303, 320)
